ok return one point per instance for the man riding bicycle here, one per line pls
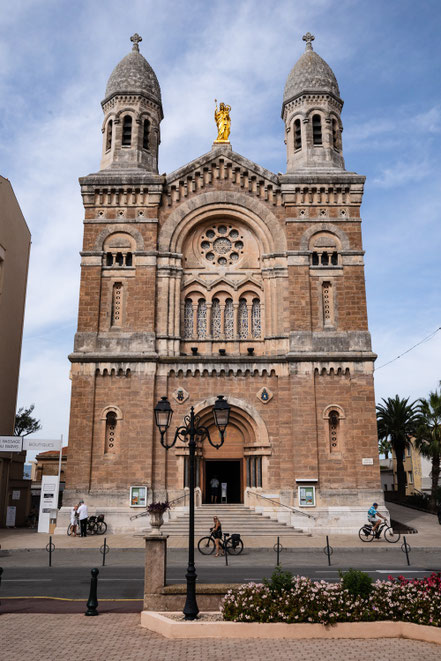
(373, 515)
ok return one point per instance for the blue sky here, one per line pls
(56, 58)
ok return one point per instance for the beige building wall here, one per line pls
(15, 242)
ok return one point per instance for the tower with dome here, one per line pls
(224, 278)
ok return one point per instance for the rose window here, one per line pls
(222, 245)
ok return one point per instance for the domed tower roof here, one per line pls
(310, 74)
(134, 75)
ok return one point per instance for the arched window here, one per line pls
(202, 319)
(316, 130)
(117, 300)
(145, 134)
(335, 136)
(334, 430)
(328, 304)
(325, 258)
(215, 319)
(315, 259)
(109, 135)
(111, 423)
(334, 258)
(297, 134)
(243, 319)
(127, 131)
(109, 259)
(188, 318)
(229, 319)
(256, 322)
(129, 259)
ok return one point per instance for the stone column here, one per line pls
(155, 569)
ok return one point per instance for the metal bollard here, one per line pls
(49, 548)
(225, 549)
(278, 548)
(92, 604)
(104, 549)
(405, 547)
(1, 572)
(328, 550)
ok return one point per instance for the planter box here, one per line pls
(160, 623)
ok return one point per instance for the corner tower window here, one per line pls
(109, 135)
(335, 140)
(334, 431)
(188, 318)
(117, 294)
(297, 135)
(145, 135)
(111, 423)
(328, 304)
(127, 131)
(316, 130)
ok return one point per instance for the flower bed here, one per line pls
(299, 599)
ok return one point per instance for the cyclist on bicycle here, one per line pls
(373, 515)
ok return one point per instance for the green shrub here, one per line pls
(280, 581)
(357, 583)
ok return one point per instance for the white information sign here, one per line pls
(48, 501)
(10, 517)
(41, 444)
(367, 461)
(224, 486)
(16, 495)
(11, 443)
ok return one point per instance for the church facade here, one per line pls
(225, 278)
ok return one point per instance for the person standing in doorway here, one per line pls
(214, 489)
(83, 515)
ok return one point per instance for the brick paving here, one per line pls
(115, 637)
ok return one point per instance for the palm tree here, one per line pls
(428, 437)
(397, 421)
(384, 447)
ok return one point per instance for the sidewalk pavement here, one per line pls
(428, 536)
(114, 637)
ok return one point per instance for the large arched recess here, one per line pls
(250, 211)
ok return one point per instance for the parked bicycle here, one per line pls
(367, 534)
(95, 525)
(233, 544)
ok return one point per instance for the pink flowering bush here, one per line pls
(304, 600)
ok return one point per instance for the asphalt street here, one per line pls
(26, 573)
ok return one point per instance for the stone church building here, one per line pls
(224, 278)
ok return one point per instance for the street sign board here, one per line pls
(41, 444)
(11, 443)
(48, 500)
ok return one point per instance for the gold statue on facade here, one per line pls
(223, 122)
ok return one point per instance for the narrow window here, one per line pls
(202, 319)
(335, 134)
(116, 316)
(229, 319)
(129, 259)
(297, 135)
(256, 319)
(315, 259)
(328, 312)
(325, 259)
(188, 318)
(243, 319)
(109, 259)
(334, 424)
(109, 135)
(145, 135)
(316, 130)
(111, 423)
(259, 471)
(215, 319)
(127, 131)
(334, 259)
(119, 259)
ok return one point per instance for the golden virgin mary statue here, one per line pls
(223, 122)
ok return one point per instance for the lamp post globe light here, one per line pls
(191, 432)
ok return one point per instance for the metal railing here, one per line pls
(279, 504)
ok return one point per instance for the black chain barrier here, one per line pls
(278, 548)
(92, 604)
(405, 547)
(104, 549)
(50, 548)
(328, 550)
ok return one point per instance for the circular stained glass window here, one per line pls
(205, 245)
(238, 245)
(234, 234)
(222, 229)
(222, 261)
(210, 256)
(210, 234)
(234, 256)
(222, 244)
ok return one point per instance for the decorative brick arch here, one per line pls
(124, 229)
(244, 208)
(324, 227)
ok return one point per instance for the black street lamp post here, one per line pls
(191, 432)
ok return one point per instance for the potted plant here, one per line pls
(156, 511)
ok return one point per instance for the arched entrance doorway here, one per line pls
(224, 465)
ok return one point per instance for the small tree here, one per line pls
(397, 421)
(428, 438)
(25, 423)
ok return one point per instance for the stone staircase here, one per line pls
(251, 525)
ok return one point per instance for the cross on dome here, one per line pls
(136, 39)
(309, 38)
